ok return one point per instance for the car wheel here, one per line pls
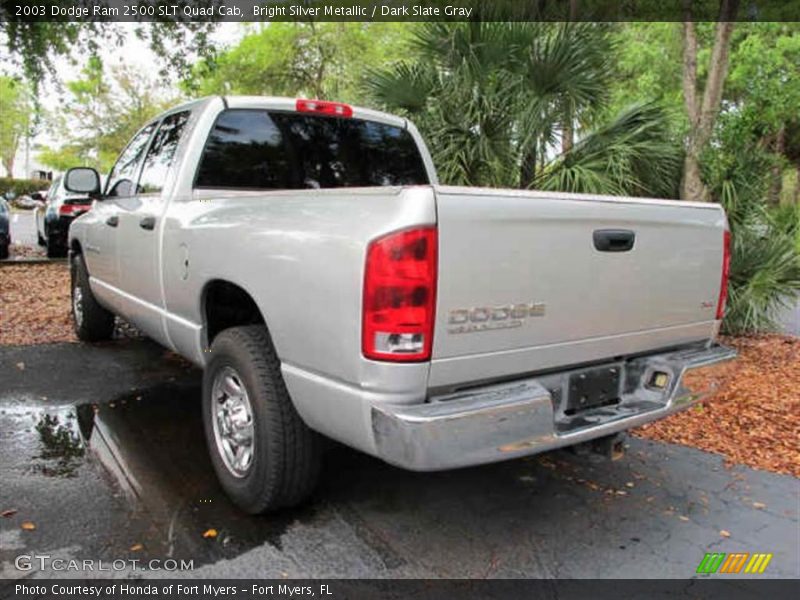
(264, 455)
(4, 251)
(92, 322)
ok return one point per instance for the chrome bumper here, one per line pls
(525, 417)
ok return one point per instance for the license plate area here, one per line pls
(592, 388)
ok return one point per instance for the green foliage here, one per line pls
(634, 155)
(494, 99)
(18, 187)
(311, 59)
(648, 68)
(105, 110)
(15, 119)
(34, 44)
(763, 82)
(765, 258)
(765, 277)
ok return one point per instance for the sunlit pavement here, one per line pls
(101, 449)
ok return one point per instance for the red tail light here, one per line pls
(726, 269)
(323, 107)
(73, 210)
(400, 296)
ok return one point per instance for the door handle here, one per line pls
(112, 221)
(147, 223)
(614, 240)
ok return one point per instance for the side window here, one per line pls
(122, 177)
(162, 151)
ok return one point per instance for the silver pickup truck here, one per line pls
(304, 254)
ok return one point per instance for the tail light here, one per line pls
(323, 107)
(73, 210)
(400, 296)
(726, 270)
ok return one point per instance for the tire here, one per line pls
(39, 239)
(92, 322)
(4, 252)
(285, 455)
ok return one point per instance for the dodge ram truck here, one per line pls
(303, 253)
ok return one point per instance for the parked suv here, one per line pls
(54, 218)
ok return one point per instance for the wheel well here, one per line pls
(75, 246)
(227, 305)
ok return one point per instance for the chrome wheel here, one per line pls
(232, 418)
(77, 304)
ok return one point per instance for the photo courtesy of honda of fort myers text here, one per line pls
(333, 299)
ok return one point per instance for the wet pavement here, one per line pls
(101, 448)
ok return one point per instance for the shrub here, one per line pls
(17, 187)
(765, 258)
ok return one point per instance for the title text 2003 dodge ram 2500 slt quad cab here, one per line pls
(303, 253)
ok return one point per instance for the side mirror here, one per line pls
(37, 196)
(82, 180)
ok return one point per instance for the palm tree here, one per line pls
(499, 101)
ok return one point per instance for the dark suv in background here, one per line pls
(53, 219)
(5, 232)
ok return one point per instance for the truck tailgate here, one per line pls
(523, 286)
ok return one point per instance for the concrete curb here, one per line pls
(30, 261)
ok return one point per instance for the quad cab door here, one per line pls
(140, 220)
(102, 244)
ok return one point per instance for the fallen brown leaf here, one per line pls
(725, 533)
(210, 533)
(35, 305)
(8, 513)
(136, 547)
(28, 526)
(754, 417)
(759, 505)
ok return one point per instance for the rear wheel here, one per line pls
(92, 322)
(264, 455)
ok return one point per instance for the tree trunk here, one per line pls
(8, 165)
(776, 185)
(567, 131)
(573, 10)
(527, 171)
(702, 115)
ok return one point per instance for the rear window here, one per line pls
(259, 149)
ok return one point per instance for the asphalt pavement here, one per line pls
(101, 449)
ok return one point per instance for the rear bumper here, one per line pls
(525, 417)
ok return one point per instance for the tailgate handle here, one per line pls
(614, 240)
